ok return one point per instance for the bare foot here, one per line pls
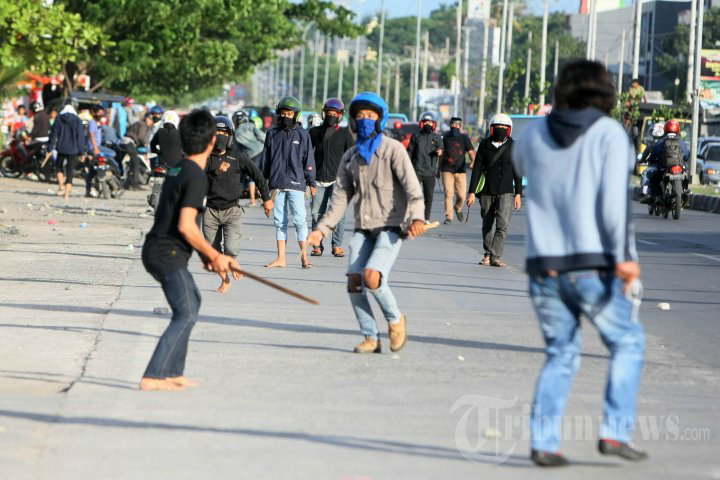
(305, 263)
(237, 275)
(160, 384)
(277, 263)
(224, 287)
(183, 381)
(60, 192)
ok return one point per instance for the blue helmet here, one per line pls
(370, 101)
(157, 110)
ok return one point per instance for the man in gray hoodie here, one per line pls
(581, 255)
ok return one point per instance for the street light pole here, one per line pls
(696, 92)
(313, 97)
(543, 55)
(501, 73)
(621, 67)
(636, 43)
(483, 75)
(458, 39)
(326, 78)
(378, 80)
(691, 52)
(416, 77)
(426, 38)
(301, 92)
(528, 67)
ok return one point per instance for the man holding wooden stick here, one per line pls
(378, 173)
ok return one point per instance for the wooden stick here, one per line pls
(274, 285)
(467, 217)
(47, 157)
(430, 226)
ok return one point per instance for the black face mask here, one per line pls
(454, 130)
(331, 121)
(221, 143)
(427, 128)
(286, 122)
(499, 134)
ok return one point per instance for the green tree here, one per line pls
(173, 47)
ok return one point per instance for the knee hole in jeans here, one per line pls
(372, 279)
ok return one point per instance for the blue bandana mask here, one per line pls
(368, 139)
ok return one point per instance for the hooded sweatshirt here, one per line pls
(67, 135)
(578, 164)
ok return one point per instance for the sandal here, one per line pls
(338, 252)
(485, 261)
(497, 263)
(316, 252)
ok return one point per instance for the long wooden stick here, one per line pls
(274, 285)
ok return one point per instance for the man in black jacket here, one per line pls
(330, 142)
(452, 168)
(502, 189)
(425, 148)
(222, 220)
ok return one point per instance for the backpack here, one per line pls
(672, 154)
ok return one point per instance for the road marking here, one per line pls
(646, 242)
(711, 257)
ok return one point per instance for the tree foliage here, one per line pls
(172, 47)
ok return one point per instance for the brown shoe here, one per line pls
(396, 332)
(369, 345)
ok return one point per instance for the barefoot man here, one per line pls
(169, 245)
(288, 162)
(222, 220)
(378, 173)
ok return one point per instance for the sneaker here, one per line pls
(447, 221)
(369, 345)
(460, 215)
(396, 332)
(427, 222)
(628, 451)
(547, 459)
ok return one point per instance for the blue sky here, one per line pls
(398, 8)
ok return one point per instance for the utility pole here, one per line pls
(313, 97)
(341, 69)
(458, 39)
(466, 53)
(511, 19)
(413, 99)
(396, 102)
(621, 67)
(301, 89)
(378, 80)
(636, 43)
(426, 38)
(691, 52)
(696, 92)
(528, 67)
(326, 78)
(356, 62)
(388, 74)
(557, 60)
(278, 79)
(483, 75)
(543, 55)
(292, 72)
(593, 52)
(501, 73)
(284, 75)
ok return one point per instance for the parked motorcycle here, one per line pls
(107, 180)
(157, 179)
(19, 159)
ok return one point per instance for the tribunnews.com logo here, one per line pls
(486, 432)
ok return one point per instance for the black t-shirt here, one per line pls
(165, 249)
(454, 149)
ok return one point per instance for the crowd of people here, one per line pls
(581, 256)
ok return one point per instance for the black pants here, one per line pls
(70, 164)
(428, 187)
(133, 173)
(495, 210)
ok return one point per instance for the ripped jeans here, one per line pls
(374, 251)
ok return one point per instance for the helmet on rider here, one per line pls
(36, 107)
(369, 101)
(334, 104)
(225, 133)
(157, 113)
(314, 120)
(658, 130)
(171, 117)
(427, 122)
(672, 126)
(240, 117)
(289, 103)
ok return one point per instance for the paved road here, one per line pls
(281, 396)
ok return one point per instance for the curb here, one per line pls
(703, 203)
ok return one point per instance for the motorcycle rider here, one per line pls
(135, 136)
(669, 151)
(657, 132)
(250, 140)
(330, 143)
(95, 146)
(166, 141)
(425, 148)
(40, 132)
(222, 220)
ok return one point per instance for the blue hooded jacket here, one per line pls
(67, 135)
(288, 159)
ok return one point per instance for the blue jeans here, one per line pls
(319, 207)
(559, 303)
(374, 251)
(168, 360)
(292, 201)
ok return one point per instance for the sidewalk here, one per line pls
(281, 396)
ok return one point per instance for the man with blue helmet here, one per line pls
(378, 174)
